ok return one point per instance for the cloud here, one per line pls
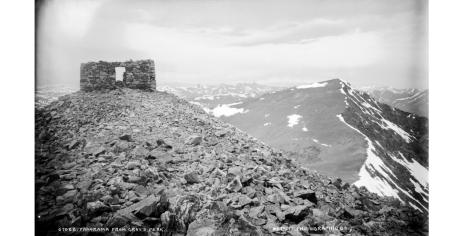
(294, 32)
(366, 42)
(211, 54)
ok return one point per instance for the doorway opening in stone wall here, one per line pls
(120, 73)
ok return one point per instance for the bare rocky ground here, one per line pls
(149, 160)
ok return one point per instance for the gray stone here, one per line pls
(306, 194)
(194, 140)
(235, 185)
(96, 208)
(68, 187)
(99, 151)
(73, 144)
(132, 165)
(192, 178)
(126, 137)
(255, 211)
(140, 151)
(69, 196)
(69, 165)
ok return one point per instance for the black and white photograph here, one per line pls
(231, 117)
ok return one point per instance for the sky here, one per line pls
(274, 42)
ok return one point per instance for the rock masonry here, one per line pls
(129, 159)
(101, 75)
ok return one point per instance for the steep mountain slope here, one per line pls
(130, 160)
(343, 132)
(409, 100)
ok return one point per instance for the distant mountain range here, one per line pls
(411, 100)
(216, 99)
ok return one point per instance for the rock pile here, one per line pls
(148, 160)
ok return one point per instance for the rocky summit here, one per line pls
(158, 165)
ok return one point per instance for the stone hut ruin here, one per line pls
(110, 75)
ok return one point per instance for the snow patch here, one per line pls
(344, 93)
(297, 106)
(293, 120)
(367, 105)
(267, 124)
(418, 171)
(415, 207)
(227, 110)
(323, 144)
(418, 188)
(314, 85)
(305, 129)
(389, 125)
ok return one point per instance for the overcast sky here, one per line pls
(366, 42)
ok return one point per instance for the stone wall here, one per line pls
(102, 75)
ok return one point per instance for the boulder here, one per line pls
(221, 133)
(306, 194)
(194, 140)
(126, 137)
(69, 165)
(202, 228)
(240, 201)
(69, 196)
(73, 144)
(159, 155)
(140, 151)
(192, 178)
(153, 208)
(162, 144)
(149, 206)
(297, 213)
(235, 171)
(235, 185)
(132, 165)
(68, 187)
(255, 211)
(97, 208)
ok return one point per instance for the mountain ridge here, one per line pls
(328, 130)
